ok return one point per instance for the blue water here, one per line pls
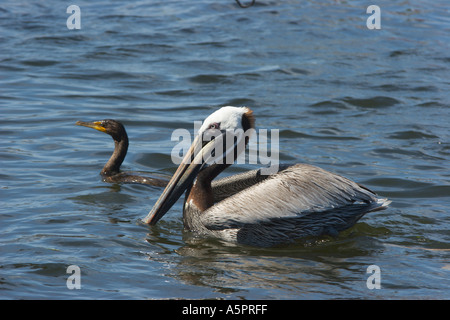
(371, 105)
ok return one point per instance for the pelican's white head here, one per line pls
(229, 128)
(229, 118)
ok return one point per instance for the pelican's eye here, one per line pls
(214, 125)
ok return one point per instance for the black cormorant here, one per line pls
(111, 171)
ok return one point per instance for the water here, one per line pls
(371, 105)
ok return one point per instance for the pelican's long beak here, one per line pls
(181, 180)
(97, 125)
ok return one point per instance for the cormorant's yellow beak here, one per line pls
(97, 125)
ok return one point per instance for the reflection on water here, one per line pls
(288, 271)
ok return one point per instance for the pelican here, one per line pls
(297, 201)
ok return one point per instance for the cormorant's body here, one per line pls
(111, 171)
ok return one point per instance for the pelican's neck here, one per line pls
(200, 196)
(112, 167)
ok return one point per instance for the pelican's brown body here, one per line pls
(299, 201)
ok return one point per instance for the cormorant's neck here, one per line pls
(112, 167)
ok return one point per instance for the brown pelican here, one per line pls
(298, 201)
(111, 171)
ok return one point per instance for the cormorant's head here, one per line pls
(112, 127)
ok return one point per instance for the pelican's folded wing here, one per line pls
(298, 191)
